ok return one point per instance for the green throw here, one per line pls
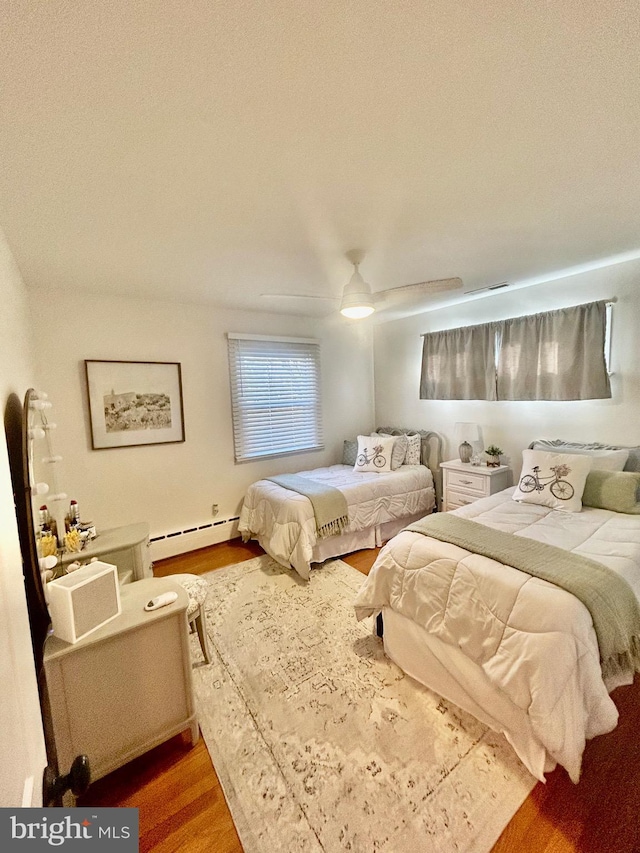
(329, 504)
(614, 608)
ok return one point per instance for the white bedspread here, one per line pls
(534, 641)
(284, 524)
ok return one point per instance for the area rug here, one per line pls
(322, 744)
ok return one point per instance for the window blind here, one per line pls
(275, 395)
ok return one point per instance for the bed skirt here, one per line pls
(372, 537)
(346, 543)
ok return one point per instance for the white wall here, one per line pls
(22, 751)
(513, 425)
(174, 485)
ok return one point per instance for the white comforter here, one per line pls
(534, 641)
(284, 523)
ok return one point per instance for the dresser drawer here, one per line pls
(470, 483)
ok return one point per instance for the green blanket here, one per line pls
(329, 504)
(607, 596)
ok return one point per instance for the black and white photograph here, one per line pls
(134, 402)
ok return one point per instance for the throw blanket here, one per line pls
(329, 504)
(614, 609)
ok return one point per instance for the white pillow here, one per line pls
(412, 456)
(374, 453)
(400, 444)
(603, 460)
(557, 445)
(556, 480)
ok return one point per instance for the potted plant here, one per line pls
(494, 454)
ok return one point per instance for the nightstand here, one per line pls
(463, 483)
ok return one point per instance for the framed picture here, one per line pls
(134, 402)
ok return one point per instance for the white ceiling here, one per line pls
(216, 151)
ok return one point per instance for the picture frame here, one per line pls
(134, 403)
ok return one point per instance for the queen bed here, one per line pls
(378, 504)
(524, 650)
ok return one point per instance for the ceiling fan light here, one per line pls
(357, 312)
(357, 301)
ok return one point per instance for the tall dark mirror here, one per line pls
(21, 422)
(18, 422)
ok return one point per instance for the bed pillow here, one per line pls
(605, 460)
(374, 454)
(618, 491)
(601, 460)
(558, 445)
(412, 456)
(561, 488)
(349, 452)
(400, 443)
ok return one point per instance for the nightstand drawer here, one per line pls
(462, 482)
(458, 499)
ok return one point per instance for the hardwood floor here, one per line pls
(182, 807)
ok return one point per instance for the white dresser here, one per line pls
(125, 547)
(463, 483)
(127, 686)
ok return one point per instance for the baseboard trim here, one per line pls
(176, 542)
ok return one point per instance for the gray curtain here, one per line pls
(557, 355)
(459, 364)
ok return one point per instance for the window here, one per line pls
(459, 364)
(556, 355)
(275, 395)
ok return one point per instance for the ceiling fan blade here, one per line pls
(298, 296)
(409, 292)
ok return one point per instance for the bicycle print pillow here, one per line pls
(374, 454)
(556, 480)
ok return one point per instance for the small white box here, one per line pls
(84, 600)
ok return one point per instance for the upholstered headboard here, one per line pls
(430, 452)
(558, 445)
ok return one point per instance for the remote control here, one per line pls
(161, 600)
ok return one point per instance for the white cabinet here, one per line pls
(126, 687)
(463, 483)
(125, 547)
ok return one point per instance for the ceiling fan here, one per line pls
(358, 300)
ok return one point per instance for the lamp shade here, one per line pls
(357, 300)
(466, 432)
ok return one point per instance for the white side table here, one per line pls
(463, 483)
(126, 687)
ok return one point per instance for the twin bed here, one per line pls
(532, 657)
(379, 506)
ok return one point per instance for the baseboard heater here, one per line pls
(176, 542)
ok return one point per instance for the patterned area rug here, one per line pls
(322, 744)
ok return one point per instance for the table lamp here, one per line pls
(465, 433)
